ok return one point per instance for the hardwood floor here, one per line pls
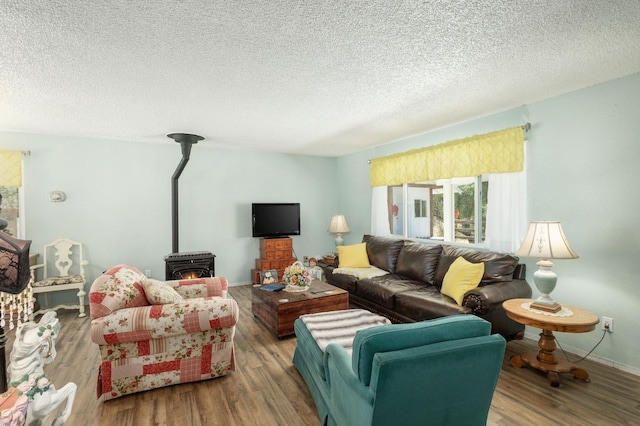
(267, 390)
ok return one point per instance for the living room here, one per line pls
(580, 164)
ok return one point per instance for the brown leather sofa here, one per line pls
(411, 290)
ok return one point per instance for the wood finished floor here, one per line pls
(267, 390)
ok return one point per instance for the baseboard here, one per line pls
(240, 283)
(601, 360)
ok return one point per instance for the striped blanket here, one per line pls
(340, 326)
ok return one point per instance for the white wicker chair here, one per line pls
(63, 270)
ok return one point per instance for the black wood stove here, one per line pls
(187, 265)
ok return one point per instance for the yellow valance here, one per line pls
(10, 168)
(495, 152)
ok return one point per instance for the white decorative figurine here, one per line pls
(35, 346)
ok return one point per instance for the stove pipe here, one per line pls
(185, 140)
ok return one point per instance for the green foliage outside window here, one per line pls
(9, 209)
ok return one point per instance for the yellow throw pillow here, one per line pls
(353, 256)
(461, 277)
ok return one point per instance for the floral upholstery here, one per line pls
(67, 279)
(148, 346)
(201, 287)
(159, 292)
(118, 288)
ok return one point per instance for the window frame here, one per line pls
(18, 232)
(447, 186)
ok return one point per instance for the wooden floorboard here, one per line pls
(266, 389)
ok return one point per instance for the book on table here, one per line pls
(272, 287)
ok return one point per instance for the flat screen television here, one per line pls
(273, 220)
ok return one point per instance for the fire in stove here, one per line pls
(189, 265)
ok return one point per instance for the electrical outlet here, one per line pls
(305, 259)
(607, 324)
(147, 272)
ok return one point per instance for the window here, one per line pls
(9, 210)
(449, 210)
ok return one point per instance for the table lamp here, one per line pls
(14, 278)
(546, 240)
(338, 225)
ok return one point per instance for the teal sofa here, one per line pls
(436, 372)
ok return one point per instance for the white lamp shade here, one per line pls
(338, 224)
(546, 240)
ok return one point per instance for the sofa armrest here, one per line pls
(351, 401)
(482, 300)
(200, 287)
(158, 321)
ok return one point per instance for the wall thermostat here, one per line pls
(57, 196)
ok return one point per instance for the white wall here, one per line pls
(583, 170)
(119, 200)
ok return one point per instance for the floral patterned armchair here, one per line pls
(159, 333)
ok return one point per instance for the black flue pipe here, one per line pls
(185, 140)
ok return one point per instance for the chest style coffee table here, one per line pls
(279, 309)
(545, 359)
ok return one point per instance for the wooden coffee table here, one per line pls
(279, 309)
(545, 359)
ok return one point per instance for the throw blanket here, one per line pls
(361, 273)
(340, 326)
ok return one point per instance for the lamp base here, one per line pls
(546, 306)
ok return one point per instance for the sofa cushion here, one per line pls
(353, 256)
(419, 261)
(118, 288)
(343, 281)
(371, 341)
(498, 267)
(383, 251)
(201, 287)
(427, 303)
(172, 319)
(382, 290)
(461, 277)
(159, 292)
(361, 273)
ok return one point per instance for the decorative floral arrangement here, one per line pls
(297, 277)
(30, 386)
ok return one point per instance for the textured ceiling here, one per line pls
(317, 77)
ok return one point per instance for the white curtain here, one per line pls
(379, 212)
(506, 211)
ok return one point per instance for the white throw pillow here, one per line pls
(159, 292)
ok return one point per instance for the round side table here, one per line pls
(580, 321)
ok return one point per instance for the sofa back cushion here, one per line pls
(383, 251)
(118, 288)
(395, 337)
(498, 267)
(419, 261)
(201, 287)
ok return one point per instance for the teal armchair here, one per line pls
(438, 372)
